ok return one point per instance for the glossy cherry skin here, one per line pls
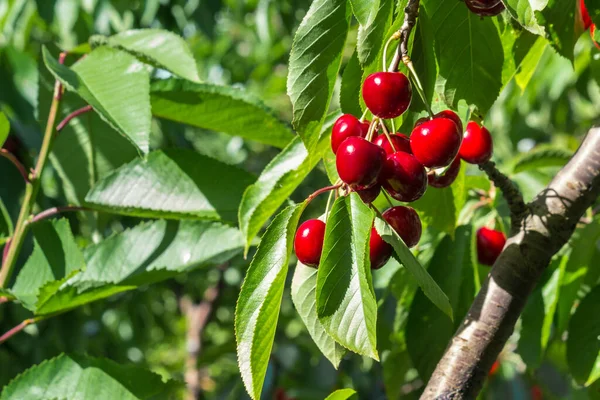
(369, 195)
(308, 242)
(485, 8)
(387, 94)
(449, 176)
(451, 115)
(585, 16)
(490, 243)
(347, 125)
(401, 143)
(379, 250)
(359, 162)
(435, 143)
(403, 177)
(406, 223)
(477, 145)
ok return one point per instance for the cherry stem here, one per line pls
(387, 197)
(322, 190)
(17, 329)
(417, 82)
(15, 161)
(387, 135)
(56, 210)
(328, 204)
(364, 115)
(393, 125)
(395, 36)
(74, 114)
(372, 128)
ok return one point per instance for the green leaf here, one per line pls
(583, 346)
(6, 224)
(314, 64)
(304, 286)
(257, 309)
(346, 304)
(364, 10)
(540, 157)
(341, 394)
(116, 85)
(370, 38)
(160, 48)
(425, 281)
(219, 108)
(350, 88)
(469, 53)
(523, 12)
(529, 63)
(275, 184)
(55, 256)
(148, 253)
(428, 330)
(558, 19)
(593, 8)
(4, 128)
(423, 56)
(174, 183)
(81, 377)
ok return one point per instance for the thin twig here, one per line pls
(17, 329)
(74, 114)
(322, 190)
(13, 159)
(56, 210)
(5, 251)
(411, 12)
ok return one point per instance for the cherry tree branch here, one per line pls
(50, 212)
(13, 331)
(411, 12)
(74, 114)
(548, 224)
(13, 159)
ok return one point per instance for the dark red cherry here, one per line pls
(435, 143)
(401, 143)
(404, 177)
(490, 243)
(359, 162)
(387, 94)
(379, 250)
(406, 223)
(347, 125)
(477, 146)
(485, 8)
(308, 242)
(368, 195)
(585, 16)
(451, 115)
(449, 176)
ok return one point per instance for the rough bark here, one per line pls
(549, 223)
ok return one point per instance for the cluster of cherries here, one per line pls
(587, 21)
(368, 162)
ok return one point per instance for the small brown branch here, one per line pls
(74, 114)
(17, 329)
(13, 159)
(411, 12)
(322, 190)
(56, 210)
(5, 251)
(549, 223)
(513, 196)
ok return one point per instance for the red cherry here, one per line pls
(369, 195)
(308, 242)
(421, 120)
(387, 94)
(449, 176)
(477, 146)
(585, 16)
(536, 393)
(485, 8)
(401, 143)
(450, 115)
(490, 243)
(379, 250)
(359, 162)
(406, 223)
(435, 143)
(494, 369)
(404, 177)
(347, 125)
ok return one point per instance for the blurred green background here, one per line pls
(247, 43)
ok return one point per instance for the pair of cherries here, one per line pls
(308, 243)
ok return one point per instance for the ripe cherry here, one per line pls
(449, 176)
(347, 125)
(308, 242)
(495, 368)
(369, 195)
(404, 177)
(379, 250)
(450, 115)
(477, 146)
(406, 223)
(490, 243)
(585, 16)
(485, 8)
(401, 143)
(359, 162)
(435, 143)
(387, 94)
